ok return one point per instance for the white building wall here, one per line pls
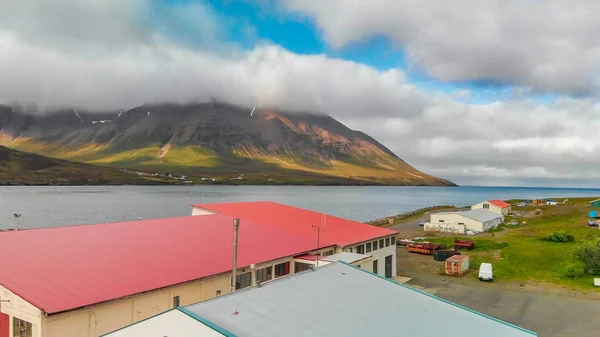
(201, 211)
(172, 323)
(14, 306)
(451, 228)
(455, 218)
(378, 255)
(492, 208)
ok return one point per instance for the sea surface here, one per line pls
(63, 206)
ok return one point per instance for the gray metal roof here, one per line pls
(343, 300)
(480, 214)
(346, 257)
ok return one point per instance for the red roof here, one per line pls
(301, 222)
(499, 203)
(64, 268)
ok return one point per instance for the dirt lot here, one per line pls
(545, 309)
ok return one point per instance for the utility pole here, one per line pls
(236, 225)
(320, 228)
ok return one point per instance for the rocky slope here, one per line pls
(21, 168)
(212, 139)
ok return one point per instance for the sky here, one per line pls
(481, 92)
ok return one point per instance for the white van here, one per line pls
(485, 272)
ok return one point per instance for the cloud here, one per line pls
(118, 61)
(549, 45)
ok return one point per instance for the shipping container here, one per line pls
(442, 255)
(422, 248)
(593, 214)
(457, 265)
(464, 244)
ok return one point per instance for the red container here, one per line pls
(464, 244)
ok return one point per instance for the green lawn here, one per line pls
(519, 253)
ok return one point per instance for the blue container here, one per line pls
(593, 214)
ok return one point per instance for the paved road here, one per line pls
(548, 311)
(410, 228)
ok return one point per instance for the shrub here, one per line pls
(589, 255)
(560, 236)
(574, 270)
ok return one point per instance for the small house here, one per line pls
(551, 202)
(496, 206)
(593, 214)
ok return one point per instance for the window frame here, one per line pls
(238, 280)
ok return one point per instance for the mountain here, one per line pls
(213, 140)
(21, 168)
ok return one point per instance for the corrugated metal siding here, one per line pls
(457, 265)
(341, 300)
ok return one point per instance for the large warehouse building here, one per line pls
(83, 281)
(478, 220)
(334, 300)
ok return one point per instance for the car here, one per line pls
(422, 223)
(486, 272)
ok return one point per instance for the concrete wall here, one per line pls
(451, 228)
(173, 323)
(21, 309)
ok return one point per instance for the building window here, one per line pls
(175, 301)
(461, 223)
(243, 280)
(299, 267)
(393, 241)
(374, 245)
(360, 249)
(387, 242)
(264, 274)
(368, 249)
(282, 269)
(21, 328)
(328, 253)
(486, 206)
(440, 220)
(375, 265)
(381, 243)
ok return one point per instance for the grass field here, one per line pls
(518, 253)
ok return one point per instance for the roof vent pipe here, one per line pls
(236, 225)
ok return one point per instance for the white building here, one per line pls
(334, 300)
(497, 206)
(477, 220)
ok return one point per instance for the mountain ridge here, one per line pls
(212, 138)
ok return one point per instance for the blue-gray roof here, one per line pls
(342, 300)
(347, 257)
(479, 214)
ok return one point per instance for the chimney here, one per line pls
(236, 225)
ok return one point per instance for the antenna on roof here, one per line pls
(17, 216)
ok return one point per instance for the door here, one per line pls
(388, 266)
(4, 325)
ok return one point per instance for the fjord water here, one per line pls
(61, 205)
